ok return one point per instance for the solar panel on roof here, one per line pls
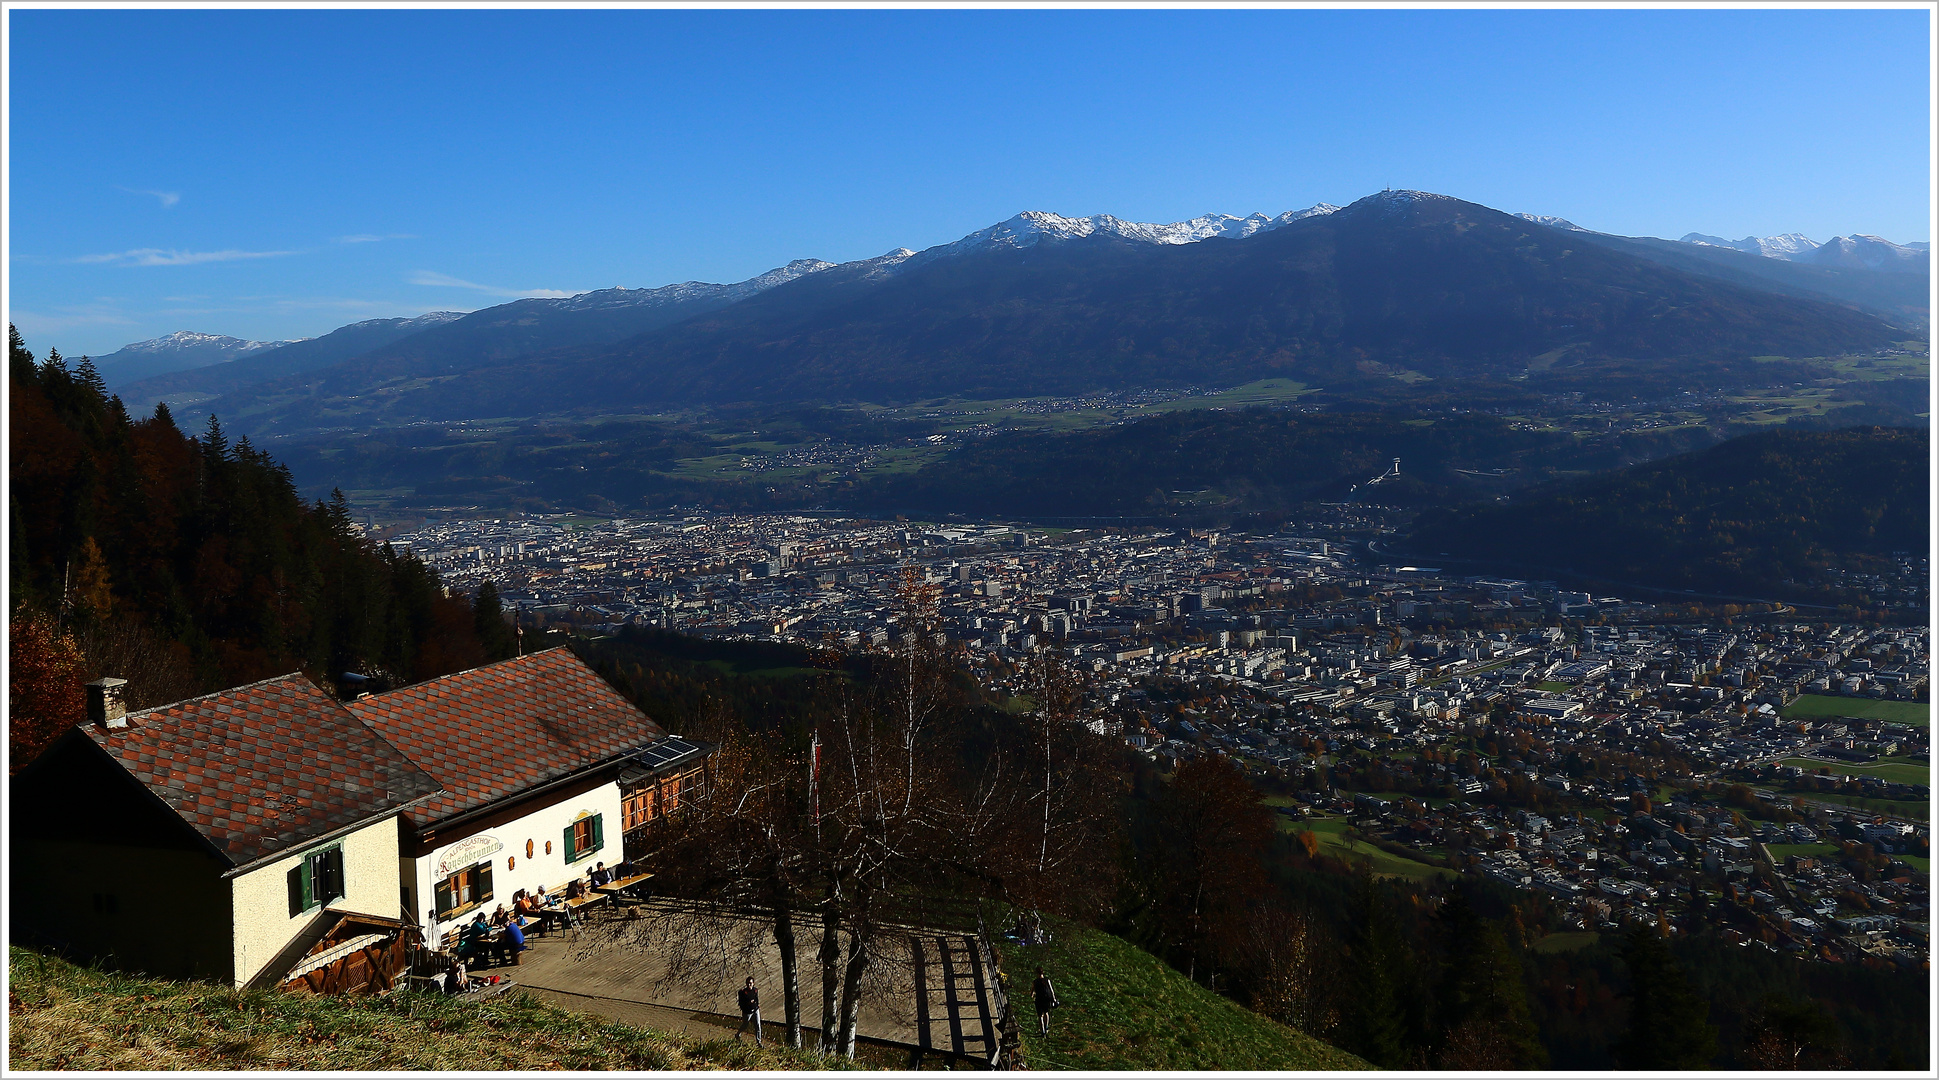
(667, 751)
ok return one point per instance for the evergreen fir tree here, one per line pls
(20, 361)
(89, 379)
(488, 618)
(1482, 1017)
(1379, 962)
(1669, 1026)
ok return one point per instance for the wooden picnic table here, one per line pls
(588, 899)
(614, 888)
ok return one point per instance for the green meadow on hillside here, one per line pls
(1124, 1009)
(66, 1017)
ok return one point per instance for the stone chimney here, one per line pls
(106, 706)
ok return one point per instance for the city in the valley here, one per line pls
(1760, 770)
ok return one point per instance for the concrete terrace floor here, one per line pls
(676, 971)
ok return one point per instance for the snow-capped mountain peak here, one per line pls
(190, 339)
(1858, 251)
(423, 322)
(1399, 200)
(1032, 227)
(1552, 222)
(1872, 253)
(1787, 246)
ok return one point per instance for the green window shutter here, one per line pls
(445, 902)
(299, 895)
(598, 833)
(484, 882)
(570, 854)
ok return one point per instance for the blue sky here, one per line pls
(273, 174)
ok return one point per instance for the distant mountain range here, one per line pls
(1407, 285)
(179, 351)
(264, 361)
(1860, 251)
(505, 332)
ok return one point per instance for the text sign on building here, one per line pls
(465, 852)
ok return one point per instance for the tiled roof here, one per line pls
(497, 731)
(264, 767)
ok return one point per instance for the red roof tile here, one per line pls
(494, 732)
(264, 767)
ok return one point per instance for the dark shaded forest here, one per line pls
(1762, 514)
(1256, 461)
(188, 563)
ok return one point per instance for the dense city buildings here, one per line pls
(1754, 768)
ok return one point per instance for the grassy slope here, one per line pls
(1333, 842)
(1917, 713)
(1124, 1009)
(1565, 941)
(67, 1017)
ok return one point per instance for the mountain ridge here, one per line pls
(1857, 250)
(181, 350)
(1400, 284)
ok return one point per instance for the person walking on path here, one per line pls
(750, 1012)
(1046, 995)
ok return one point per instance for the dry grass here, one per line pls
(68, 1017)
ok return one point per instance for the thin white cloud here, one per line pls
(446, 281)
(172, 257)
(168, 198)
(372, 238)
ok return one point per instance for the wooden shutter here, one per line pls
(484, 881)
(598, 832)
(570, 854)
(299, 888)
(445, 901)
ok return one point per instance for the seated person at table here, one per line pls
(548, 907)
(511, 943)
(524, 906)
(625, 869)
(600, 876)
(576, 889)
(473, 938)
(501, 916)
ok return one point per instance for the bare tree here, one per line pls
(892, 808)
(1291, 968)
(743, 847)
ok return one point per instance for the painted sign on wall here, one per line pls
(465, 852)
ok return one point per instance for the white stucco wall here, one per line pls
(512, 869)
(263, 924)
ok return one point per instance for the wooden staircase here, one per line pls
(961, 1007)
